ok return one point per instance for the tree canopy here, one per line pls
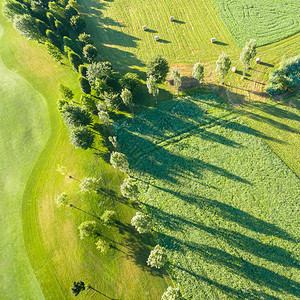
(223, 65)
(82, 137)
(158, 67)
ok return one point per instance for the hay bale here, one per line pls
(258, 60)
(144, 28)
(156, 38)
(172, 18)
(233, 69)
(213, 40)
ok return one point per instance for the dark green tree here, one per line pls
(84, 85)
(158, 67)
(54, 52)
(78, 23)
(87, 229)
(98, 70)
(13, 8)
(85, 39)
(77, 287)
(42, 27)
(60, 28)
(82, 70)
(130, 81)
(75, 60)
(90, 52)
(53, 38)
(65, 92)
(89, 103)
(27, 26)
(70, 11)
(76, 116)
(82, 137)
(51, 20)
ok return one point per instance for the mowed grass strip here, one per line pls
(266, 21)
(223, 204)
(56, 254)
(24, 132)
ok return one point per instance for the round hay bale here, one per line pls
(233, 69)
(213, 40)
(144, 28)
(172, 18)
(156, 38)
(258, 60)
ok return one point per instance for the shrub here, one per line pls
(53, 38)
(84, 85)
(102, 246)
(157, 257)
(75, 60)
(62, 200)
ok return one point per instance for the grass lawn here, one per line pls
(25, 130)
(223, 204)
(55, 252)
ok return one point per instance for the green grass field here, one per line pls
(25, 130)
(266, 21)
(223, 204)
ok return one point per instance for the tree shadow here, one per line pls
(151, 30)
(84, 211)
(95, 290)
(241, 73)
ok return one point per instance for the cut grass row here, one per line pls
(223, 204)
(56, 254)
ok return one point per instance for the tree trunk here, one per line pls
(244, 72)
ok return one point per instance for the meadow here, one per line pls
(267, 21)
(222, 203)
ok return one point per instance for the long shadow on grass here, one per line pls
(256, 274)
(227, 212)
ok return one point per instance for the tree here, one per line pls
(53, 38)
(157, 257)
(12, 8)
(101, 87)
(82, 70)
(112, 100)
(102, 246)
(78, 23)
(198, 71)
(62, 200)
(65, 92)
(171, 294)
(61, 30)
(90, 52)
(152, 87)
(89, 184)
(223, 66)
(119, 161)
(75, 60)
(98, 70)
(77, 287)
(88, 103)
(54, 52)
(108, 217)
(85, 39)
(158, 67)
(113, 141)
(175, 76)
(76, 116)
(42, 27)
(82, 137)
(248, 53)
(87, 229)
(126, 97)
(129, 188)
(84, 85)
(27, 26)
(51, 19)
(70, 11)
(129, 81)
(141, 222)
(104, 118)
(69, 44)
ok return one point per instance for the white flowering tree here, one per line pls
(62, 200)
(119, 161)
(89, 184)
(171, 294)
(141, 222)
(157, 257)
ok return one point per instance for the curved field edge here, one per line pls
(24, 133)
(54, 249)
(223, 204)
